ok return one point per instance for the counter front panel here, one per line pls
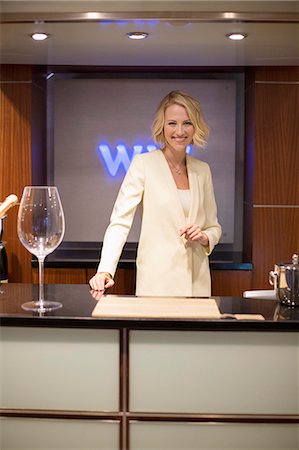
(251, 373)
(71, 380)
(62, 367)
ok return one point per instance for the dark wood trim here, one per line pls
(219, 418)
(63, 414)
(121, 369)
(127, 443)
(124, 388)
(149, 417)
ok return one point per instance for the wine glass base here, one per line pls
(41, 306)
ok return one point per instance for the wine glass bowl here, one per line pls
(41, 227)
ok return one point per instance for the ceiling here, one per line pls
(181, 33)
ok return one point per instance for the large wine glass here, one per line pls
(41, 228)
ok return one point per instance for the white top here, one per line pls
(185, 197)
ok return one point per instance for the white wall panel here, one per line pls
(178, 436)
(42, 434)
(214, 372)
(59, 368)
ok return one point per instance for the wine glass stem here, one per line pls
(41, 280)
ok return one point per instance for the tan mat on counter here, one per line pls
(156, 307)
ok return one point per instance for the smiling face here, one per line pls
(178, 128)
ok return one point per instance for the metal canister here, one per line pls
(285, 279)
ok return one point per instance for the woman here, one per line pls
(179, 226)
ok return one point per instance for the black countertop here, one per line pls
(78, 305)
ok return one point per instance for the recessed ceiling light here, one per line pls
(137, 35)
(39, 36)
(236, 36)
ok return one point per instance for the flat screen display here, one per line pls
(99, 124)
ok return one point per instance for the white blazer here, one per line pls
(167, 264)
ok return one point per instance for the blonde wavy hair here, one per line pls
(194, 112)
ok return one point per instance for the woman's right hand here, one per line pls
(101, 281)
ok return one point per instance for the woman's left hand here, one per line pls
(193, 233)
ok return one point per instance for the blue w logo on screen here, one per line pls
(123, 156)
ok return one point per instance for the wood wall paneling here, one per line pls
(124, 281)
(276, 238)
(231, 282)
(16, 72)
(15, 158)
(276, 144)
(224, 282)
(275, 209)
(61, 276)
(276, 73)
